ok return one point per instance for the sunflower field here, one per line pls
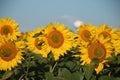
(54, 52)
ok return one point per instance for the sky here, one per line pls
(31, 14)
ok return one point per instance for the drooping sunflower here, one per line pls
(9, 28)
(10, 54)
(35, 42)
(99, 49)
(58, 39)
(86, 32)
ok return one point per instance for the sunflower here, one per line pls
(99, 49)
(9, 28)
(10, 54)
(23, 36)
(58, 39)
(35, 42)
(86, 32)
(116, 43)
(106, 31)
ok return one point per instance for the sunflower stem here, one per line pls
(52, 68)
(27, 73)
(109, 74)
(27, 70)
(21, 77)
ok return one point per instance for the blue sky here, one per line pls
(31, 14)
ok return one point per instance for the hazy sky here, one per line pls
(31, 14)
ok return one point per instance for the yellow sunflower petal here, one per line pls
(99, 68)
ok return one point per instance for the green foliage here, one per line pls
(49, 76)
(68, 67)
(6, 75)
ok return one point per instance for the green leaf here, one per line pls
(93, 77)
(95, 61)
(41, 42)
(33, 64)
(114, 78)
(113, 59)
(117, 70)
(7, 75)
(89, 69)
(31, 73)
(50, 57)
(16, 71)
(118, 59)
(64, 73)
(77, 76)
(37, 34)
(117, 79)
(75, 37)
(108, 78)
(37, 57)
(61, 64)
(49, 76)
(59, 78)
(103, 78)
(70, 64)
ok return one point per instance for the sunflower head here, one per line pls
(35, 42)
(58, 39)
(6, 29)
(55, 38)
(9, 28)
(10, 54)
(86, 32)
(97, 50)
(105, 31)
(8, 51)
